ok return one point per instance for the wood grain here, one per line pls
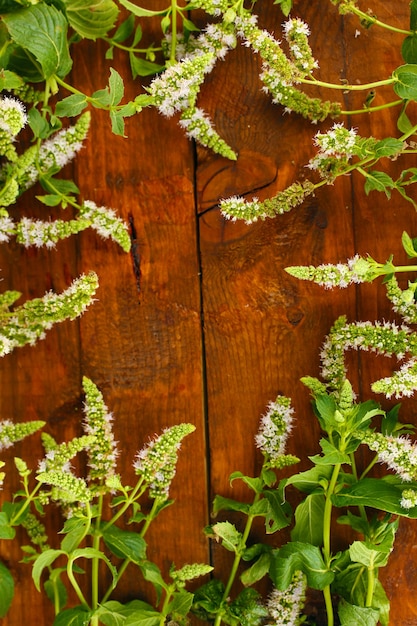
(200, 323)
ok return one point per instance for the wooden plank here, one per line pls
(140, 342)
(379, 223)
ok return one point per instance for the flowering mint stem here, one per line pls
(237, 559)
(365, 86)
(366, 109)
(369, 19)
(327, 519)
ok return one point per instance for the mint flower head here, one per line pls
(12, 119)
(10, 433)
(356, 270)
(177, 88)
(275, 427)
(237, 208)
(296, 33)
(284, 607)
(199, 127)
(156, 462)
(29, 322)
(102, 451)
(398, 453)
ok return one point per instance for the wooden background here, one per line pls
(200, 323)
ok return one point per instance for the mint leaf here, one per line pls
(71, 106)
(406, 81)
(91, 18)
(6, 589)
(125, 544)
(42, 30)
(301, 556)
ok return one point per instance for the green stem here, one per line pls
(380, 107)
(126, 562)
(370, 586)
(95, 561)
(74, 583)
(174, 8)
(237, 559)
(134, 495)
(327, 520)
(375, 21)
(347, 87)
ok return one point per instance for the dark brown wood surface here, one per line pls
(200, 323)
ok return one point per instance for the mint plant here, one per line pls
(38, 102)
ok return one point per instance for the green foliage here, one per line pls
(36, 44)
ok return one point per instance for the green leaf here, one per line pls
(413, 15)
(377, 493)
(409, 49)
(208, 598)
(6, 531)
(379, 181)
(256, 571)
(247, 609)
(74, 530)
(125, 544)
(9, 80)
(410, 247)
(77, 616)
(125, 29)
(6, 589)
(38, 123)
(295, 556)
(403, 122)
(42, 30)
(55, 588)
(116, 87)
(71, 106)
(180, 604)
(45, 559)
(228, 504)
(117, 123)
(286, 6)
(331, 455)
(352, 615)
(253, 483)
(390, 146)
(139, 11)
(143, 67)
(229, 535)
(405, 85)
(143, 618)
(91, 18)
(278, 513)
(368, 556)
(309, 520)
(311, 480)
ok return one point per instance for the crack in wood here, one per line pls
(134, 252)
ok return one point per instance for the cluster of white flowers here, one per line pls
(106, 223)
(12, 119)
(385, 338)
(177, 88)
(403, 301)
(409, 499)
(30, 321)
(398, 453)
(284, 607)
(355, 270)
(402, 383)
(156, 462)
(296, 33)
(102, 452)
(275, 428)
(10, 432)
(235, 207)
(336, 147)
